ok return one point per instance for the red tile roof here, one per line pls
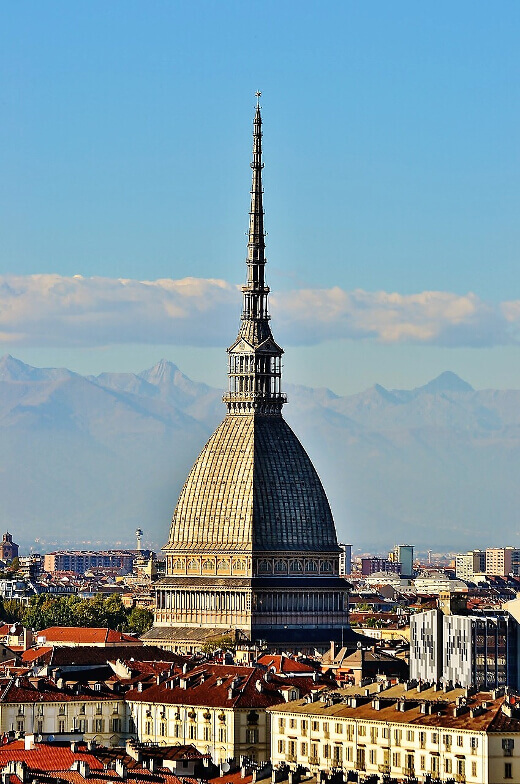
(79, 635)
(286, 665)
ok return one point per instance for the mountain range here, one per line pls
(84, 460)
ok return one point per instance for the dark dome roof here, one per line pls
(253, 488)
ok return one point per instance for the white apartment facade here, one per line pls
(401, 734)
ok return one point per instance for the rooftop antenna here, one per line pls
(139, 534)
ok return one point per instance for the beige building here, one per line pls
(38, 705)
(219, 709)
(402, 733)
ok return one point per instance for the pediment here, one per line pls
(241, 346)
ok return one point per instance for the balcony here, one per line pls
(326, 734)
(385, 769)
(291, 757)
(460, 777)
(409, 773)
(360, 766)
(314, 760)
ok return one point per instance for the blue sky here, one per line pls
(391, 138)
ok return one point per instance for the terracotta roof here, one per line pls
(286, 665)
(77, 634)
(25, 690)
(232, 778)
(209, 684)
(33, 654)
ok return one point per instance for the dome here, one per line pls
(253, 488)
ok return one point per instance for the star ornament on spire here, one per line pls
(258, 94)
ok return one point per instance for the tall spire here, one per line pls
(255, 365)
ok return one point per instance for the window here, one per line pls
(192, 732)
(39, 726)
(326, 751)
(147, 727)
(435, 737)
(99, 725)
(61, 710)
(162, 728)
(116, 725)
(304, 727)
(460, 741)
(446, 739)
(281, 747)
(447, 765)
(61, 726)
(372, 756)
(281, 725)
(396, 759)
(508, 770)
(422, 739)
(339, 728)
(435, 765)
(292, 723)
(206, 732)
(222, 735)
(291, 748)
(337, 755)
(314, 752)
(410, 736)
(82, 709)
(474, 769)
(461, 767)
(350, 732)
(99, 708)
(398, 734)
(20, 726)
(326, 727)
(177, 731)
(360, 759)
(82, 725)
(362, 730)
(373, 734)
(473, 742)
(251, 735)
(303, 749)
(422, 762)
(384, 733)
(315, 726)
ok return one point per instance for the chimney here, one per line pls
(82, 767)
(121, 769)
(29, 742)
(332, 650)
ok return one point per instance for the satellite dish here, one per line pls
(50, 738)
(226, 767)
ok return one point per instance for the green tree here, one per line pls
(139, 620)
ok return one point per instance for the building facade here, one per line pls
(478, 650)
(8, 548)
(252, 544)
(400, 733)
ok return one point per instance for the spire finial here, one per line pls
(255, 360)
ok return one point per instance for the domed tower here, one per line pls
(252, 546)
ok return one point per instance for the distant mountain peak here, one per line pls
(163, 370)
(446, 382)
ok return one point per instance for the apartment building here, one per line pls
(477, 649)
(401, 732)
(220, 709)
(41, 705)
(469, 565)
(501, 561)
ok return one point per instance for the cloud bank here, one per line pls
(52, 310)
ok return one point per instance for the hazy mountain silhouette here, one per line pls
(88, 459)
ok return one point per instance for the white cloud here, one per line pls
(51, 310)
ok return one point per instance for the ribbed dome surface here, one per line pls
(253, 488)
